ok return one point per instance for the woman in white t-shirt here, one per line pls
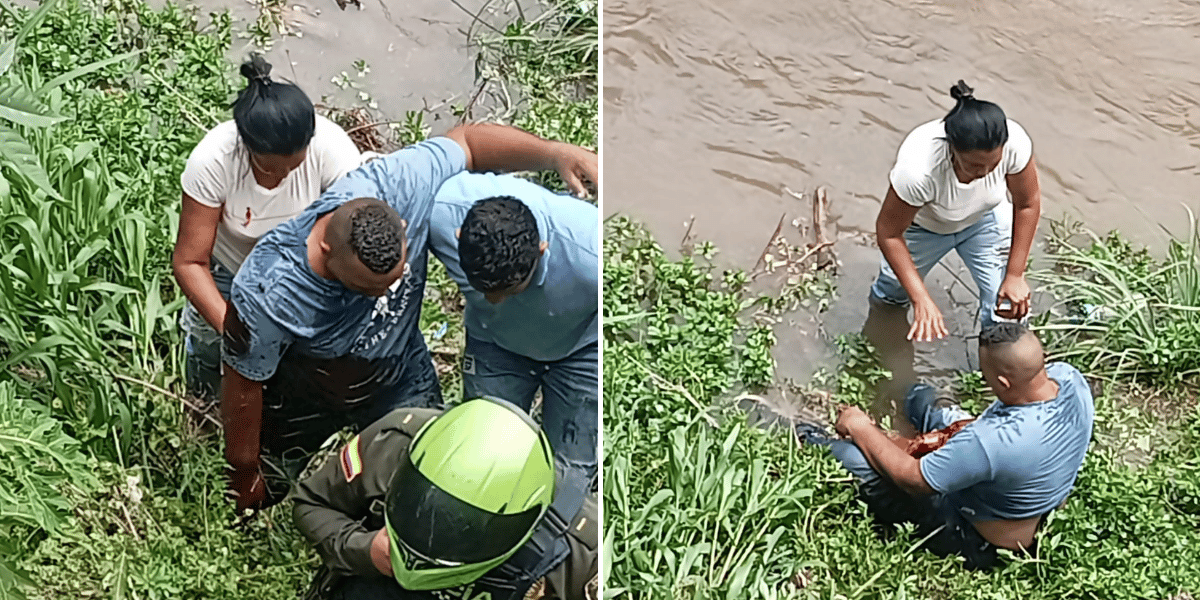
(949, 191)
(245, 177)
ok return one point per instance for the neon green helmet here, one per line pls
(474, 485)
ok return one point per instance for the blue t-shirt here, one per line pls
(1016, 462)
(350, 344)
(556, 315)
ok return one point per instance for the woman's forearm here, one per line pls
(196, 281)
(895, 250)
(192, 258)
(1025, 220)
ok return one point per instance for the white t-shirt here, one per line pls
(218, 175)
(924, 177)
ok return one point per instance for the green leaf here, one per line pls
(11, 581)
(16, 151)
(35, 19)
(81, 71)
(7, 52)
(19, 105)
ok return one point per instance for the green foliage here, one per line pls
(552, 61)
(38, 464)
(442, 324)
(1121, 312)
(972, 392)
(167, 534)
(667, 326)
(86, 297)
(725, 517)
(699, 505)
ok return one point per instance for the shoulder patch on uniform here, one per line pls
(352, 459)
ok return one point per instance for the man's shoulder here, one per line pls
(407, 420)
(276, 259)
(1065, 373)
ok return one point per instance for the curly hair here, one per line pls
(377, 237)
(1002, 333)
(498, 243)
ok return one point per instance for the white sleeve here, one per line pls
(912, 185)
(910, 176)
(338, 154)
(1018, 150)
(204, 175)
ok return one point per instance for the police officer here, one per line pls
(462, 504)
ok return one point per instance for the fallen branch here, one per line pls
(679, 389)
(774, 236)
(183, 399)
(366, 125)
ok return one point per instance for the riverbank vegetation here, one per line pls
(701, 504)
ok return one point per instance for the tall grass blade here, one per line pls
(19, 105)
(8, 51)
(18, 152)
(81, 71)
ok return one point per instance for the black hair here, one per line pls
(498, 243)
(272, 117)
(1001, 333)
(974, 124)
(377, 237)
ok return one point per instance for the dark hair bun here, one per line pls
(960, 91)
(257, 69)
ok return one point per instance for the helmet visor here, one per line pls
(437, 526)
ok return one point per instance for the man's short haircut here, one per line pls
(1001, 333)
(498, 243)
(377, 237)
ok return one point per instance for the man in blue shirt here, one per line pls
(994, 481)
(322, 330)
(526, 260)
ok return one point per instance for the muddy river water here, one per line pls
(712, 108)
(419, 53)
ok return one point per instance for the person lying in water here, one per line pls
(993, 482)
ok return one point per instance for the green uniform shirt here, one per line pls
(340, 507)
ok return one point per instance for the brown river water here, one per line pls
(712, 108)
(419, 53)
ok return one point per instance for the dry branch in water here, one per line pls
(795, 259)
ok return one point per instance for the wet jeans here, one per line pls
(202, 343)
(570, 389)
(300, 412)
(890, 505)
(983, 248)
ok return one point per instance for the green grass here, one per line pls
(1122, 313)
(700, 505)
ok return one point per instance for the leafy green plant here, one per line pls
(24, 107)
(551, 63)
(1121, 313)
(39, 465)
(86, 307)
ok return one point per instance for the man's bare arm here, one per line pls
(887, 458)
